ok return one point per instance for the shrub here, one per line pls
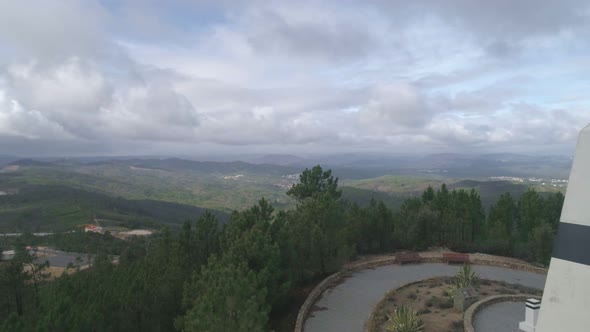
(432, 301)
(466, 277)
(541, 242)
(445, 304)
(424, 311)
(404, 319)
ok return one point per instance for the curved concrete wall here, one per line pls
(470, 313)
(316, 293)
(332, 280)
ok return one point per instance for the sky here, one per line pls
(195, 77)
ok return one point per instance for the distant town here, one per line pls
(558, 183)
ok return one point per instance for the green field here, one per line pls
(394, 184)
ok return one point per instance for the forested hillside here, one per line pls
(53, 208)
(62, 194)
(248, 274)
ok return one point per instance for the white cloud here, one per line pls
(83, 101)
(70, 86)
(54, 29)
(394, 107)
(17, 121)
(418, 75)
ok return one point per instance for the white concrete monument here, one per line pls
(531, 315)
(566, 298)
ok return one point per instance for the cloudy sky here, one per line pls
(188, 77)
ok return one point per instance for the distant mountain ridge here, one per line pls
(176, 164)
(30, 162)
(449, 165)
(6, 159)
(135, 189)
(280, 159)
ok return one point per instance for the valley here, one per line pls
(64, 194)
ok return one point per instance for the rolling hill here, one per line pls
(62, 193)
(39, 208)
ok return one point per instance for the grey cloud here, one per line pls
(514, 20)
(433, 80)
(148, 113)
(54, 29)
(67, 94)
(327, 37)
(82, 101)
(54, 146)
(378, 74)
(486, 100)
(394, 107)
(451, 130)
(263, 125)
(500, 27)
(527, 127)
(501, 48)
(19, 121)
(534, 124)
(214, 96)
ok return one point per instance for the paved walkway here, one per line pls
(346, 306)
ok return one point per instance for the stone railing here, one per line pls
(427, 257)
(333, 279)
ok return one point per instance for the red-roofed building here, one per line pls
(93, 228)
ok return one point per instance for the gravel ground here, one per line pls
(346, 306)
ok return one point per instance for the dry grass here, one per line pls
(430, 299)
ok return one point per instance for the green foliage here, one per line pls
(20, 279)
(14, 278)
(58, 208)
(441, 217)
(363, 197)
(552, 210)
(13, 323)
(502, 218)
(319, 236)
(372, 228)
(531, 213)
(466, 277)
(315, 182)
(211, 276)
(82, 242)
(248, 239)
(404, 319)
(541, 242)
(144, 294)
(142, 192)
(224, 296)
